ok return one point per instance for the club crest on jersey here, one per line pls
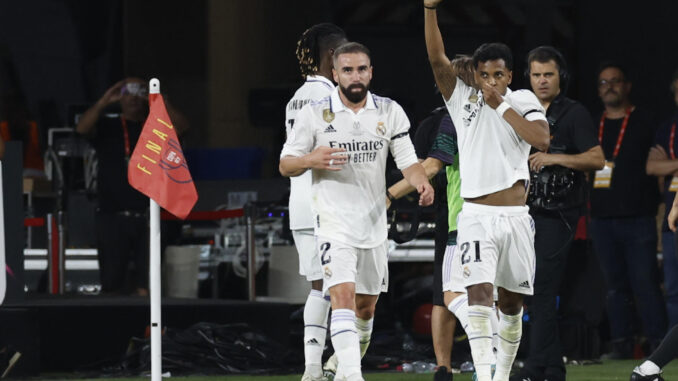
(328, 115)
(473, 98)
(381, 129)
(356, 129)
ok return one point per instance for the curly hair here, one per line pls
(313, 42)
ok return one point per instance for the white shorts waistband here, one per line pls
(475, 208)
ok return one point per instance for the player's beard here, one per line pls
(355, 97)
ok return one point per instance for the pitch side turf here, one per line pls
(608, 371)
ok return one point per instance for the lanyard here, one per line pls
(671, 142)
(621, 131)
(125, 135)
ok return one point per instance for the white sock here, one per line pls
(649, 368)
(315, 331)
(479, 334)
(510, 332)
(459, 307)
(494, 319)
(364, 334)
(345, 342)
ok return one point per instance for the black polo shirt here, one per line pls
(632, 193)
(423, 141)
(114, 192)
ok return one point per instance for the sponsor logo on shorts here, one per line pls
(525, 284)
(313, 341)
(467, 272)
(328, 272)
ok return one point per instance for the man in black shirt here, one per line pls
(556, 201)
(624, 203)
(122, 233)
(662, 162)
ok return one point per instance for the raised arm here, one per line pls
(89, 119)
(536, 132)
(444, 73)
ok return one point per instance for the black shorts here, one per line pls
(438, 256)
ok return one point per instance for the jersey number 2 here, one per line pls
(324, 258)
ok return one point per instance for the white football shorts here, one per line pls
(309, 260)
(341, 263)
(495, 244)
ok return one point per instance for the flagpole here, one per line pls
(154, 276)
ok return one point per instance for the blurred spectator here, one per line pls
(662, 162)
(17, 124)
(623, 208)
(122, 233)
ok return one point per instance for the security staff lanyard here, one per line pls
(125, 136)
(603, 177)
(673, 187)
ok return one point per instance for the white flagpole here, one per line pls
(154, 276)
(3, 271)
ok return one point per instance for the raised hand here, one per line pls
(432, 3)
(491, 95)
(113, 94)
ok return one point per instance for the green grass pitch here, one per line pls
(608, 371)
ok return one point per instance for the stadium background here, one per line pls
(230, 67)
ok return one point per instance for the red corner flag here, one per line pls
(157, 167)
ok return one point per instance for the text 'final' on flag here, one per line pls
(157, 167)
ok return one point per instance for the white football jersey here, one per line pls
(315, 88)
(350, 204)
(492, 156)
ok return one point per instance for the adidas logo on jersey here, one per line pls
(313, 341)
(330, 129)
(525, 284)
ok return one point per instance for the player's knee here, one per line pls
(449, 296)
(510, 303)
(481, 294)
(317, 284)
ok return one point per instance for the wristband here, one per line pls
(390, 196)
(429, 7)
(501, 109)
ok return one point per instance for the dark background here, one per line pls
(230, 65)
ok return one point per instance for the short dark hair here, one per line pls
(352, 47)
(544, 54)
(612, 64)
(493, 51)
(313, 42)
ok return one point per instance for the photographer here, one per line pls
(121, 222)
(556, 200)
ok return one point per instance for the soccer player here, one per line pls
(344, 139)
(495, 242)
(314, 52)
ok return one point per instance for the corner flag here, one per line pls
(157, 167)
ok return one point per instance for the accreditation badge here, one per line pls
(603, 177)
(674, 184)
